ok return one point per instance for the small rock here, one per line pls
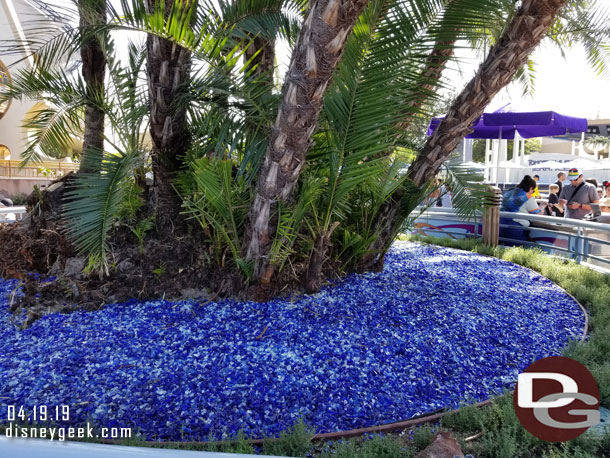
(73, 289)
(193, 293)
(442, 446)
(125, 266)
(74, 267)
(54, 187)
(55, 268)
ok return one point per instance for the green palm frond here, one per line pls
(51, 41)
(52, 131)
(526, 78)
(217, 201)
(587, 23)
(205, 36)
(366, 100)
(269, 19)
(291, 217)
(468, 192)
(230, 117)
(93, 201)
(55, 44)
(53, 127)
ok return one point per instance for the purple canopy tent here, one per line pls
(502, 125)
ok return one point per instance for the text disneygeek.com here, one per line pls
(61, 433)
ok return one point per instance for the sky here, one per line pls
(566, 85)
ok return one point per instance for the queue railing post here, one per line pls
(491, 217)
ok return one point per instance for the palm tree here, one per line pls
(92, 15)
(319, 47)
(527, 28)
(168, 70)
(338, 111)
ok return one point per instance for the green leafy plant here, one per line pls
(218, 201)
(159, 271)
(141, 229)
(131, 204)
(293, 442)
(377, 446)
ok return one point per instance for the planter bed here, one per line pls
(436, 328)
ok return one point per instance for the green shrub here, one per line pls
(468, 419)
(293, 442)
(378, 446)
(422, 436)
(19, 199)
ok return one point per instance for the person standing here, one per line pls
(553, 207)
(536, 193)
(577, 196)
(561, 177)
(445, 197)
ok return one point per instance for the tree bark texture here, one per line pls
(528, 27)
(168, 70)
(316, 261)
(92, 13)
(321, 41)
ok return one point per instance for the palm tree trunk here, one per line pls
(321, 42)
(261, 57)
(168, 71)
(92, 13)
(528, 27)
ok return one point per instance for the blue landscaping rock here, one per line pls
(435, 328)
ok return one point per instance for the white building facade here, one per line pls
(18, 21)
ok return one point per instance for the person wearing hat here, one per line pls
(577, 196)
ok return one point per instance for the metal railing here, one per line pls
(42, 170)
(11, 214)
(583, 241)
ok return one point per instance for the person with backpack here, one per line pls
(577, 196)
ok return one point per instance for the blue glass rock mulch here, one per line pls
(435, 328)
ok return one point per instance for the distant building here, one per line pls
(576, 144)
(19, 19)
